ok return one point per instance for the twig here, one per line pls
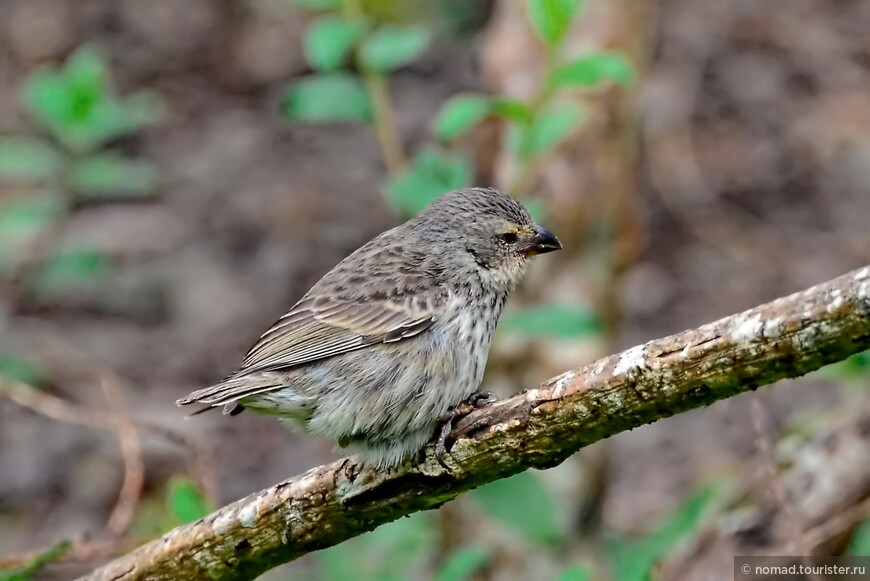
(536, 429)
(134, 467)
(61, 410)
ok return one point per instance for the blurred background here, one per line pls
(174, 174)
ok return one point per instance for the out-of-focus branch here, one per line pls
(811, 505)
(134, 467)
(61, 410)
(535, 429)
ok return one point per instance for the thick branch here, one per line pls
(535, 429)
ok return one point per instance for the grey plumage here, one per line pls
(396, 334)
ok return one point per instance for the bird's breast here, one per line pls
(467, 334)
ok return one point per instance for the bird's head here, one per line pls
(485, 231)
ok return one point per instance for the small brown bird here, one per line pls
(397, 334)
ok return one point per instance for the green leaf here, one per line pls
(551, 18)
(86, 74)
(335, 97)
(25, 217)
(34, 564)
(68, 268)
(67, 101)
(577, 574)
(553, 321)
(28, 159)
(592, 70)
(114, 176)
(44, 94)
(430, 174)
(634, 559)
(22, 369)
(522, 502)
(75, 105)
(329, 41)
(512, 110)
(547, 131)
(463, 564)
(185, 501)
(391, 47)
(461, 113)
(318, 4)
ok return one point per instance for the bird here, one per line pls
(396, 336)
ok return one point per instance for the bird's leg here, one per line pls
(477, 400)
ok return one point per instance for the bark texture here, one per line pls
(538, 428)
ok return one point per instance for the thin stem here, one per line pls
(385, 127)
(541, 98)
(384, 122)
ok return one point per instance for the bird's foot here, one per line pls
(477, 400)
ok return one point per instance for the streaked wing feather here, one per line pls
(319, 328)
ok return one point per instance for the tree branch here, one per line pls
(535, 429)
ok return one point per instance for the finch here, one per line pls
(397, 334)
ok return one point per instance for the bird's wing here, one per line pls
(319, 327)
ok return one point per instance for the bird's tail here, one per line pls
(228, 392)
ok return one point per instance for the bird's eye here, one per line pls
(509, 237)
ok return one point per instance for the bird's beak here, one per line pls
(542, 242)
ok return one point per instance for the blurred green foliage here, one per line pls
(461, 113)
(390, 47)
(431, 173)
(332, 97)
(577, 574)
(535, 128)
(404, 548)
(547, 129)
(553, 321)
(180, 502)
(329, 42)
(524, 504)
(70, 267)
(633, 559)
(464, 563)
(75, 104)
(340, 39)
(389, 553)
(68, 159)
(551, 18)
(186, 501)
(28, 159)
(591, 71)
(79, 115)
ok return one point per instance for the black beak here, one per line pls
(544, 241)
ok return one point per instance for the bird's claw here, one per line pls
(477, 400)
